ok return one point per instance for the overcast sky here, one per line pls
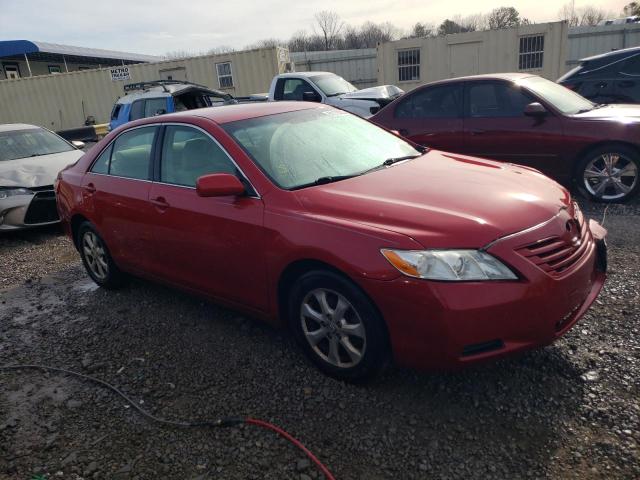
(156, 27)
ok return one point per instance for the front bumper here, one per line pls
(446, 325)
(25, 211)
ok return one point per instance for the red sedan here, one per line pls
(525, 119)
(305, 215)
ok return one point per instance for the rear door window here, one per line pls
(131, 156)
(437, 102)
(188, 153)
(116, 111)
(101, 165)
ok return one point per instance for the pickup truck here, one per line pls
(329, 88)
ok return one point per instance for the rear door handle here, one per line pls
(160, 202)
(90, 188)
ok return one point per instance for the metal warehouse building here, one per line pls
(25, 58)
(66, 100)
(537, 48)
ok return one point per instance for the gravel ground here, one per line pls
(571, 410)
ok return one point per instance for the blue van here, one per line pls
(147, 99)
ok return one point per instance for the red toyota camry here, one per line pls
(366, 245)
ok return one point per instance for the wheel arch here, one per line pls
(76, 220)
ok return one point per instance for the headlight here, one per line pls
(10, 192)
(452, 265)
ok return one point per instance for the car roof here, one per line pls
(614, 53)
(304, 74)
(152, 92)
(10, 127)
(512, 77)
(243, 111)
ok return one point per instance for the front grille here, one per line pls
(42, 208)
(556, 255)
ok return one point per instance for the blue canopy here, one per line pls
(10, 48)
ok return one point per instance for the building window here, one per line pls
(55, 69)
(11, 70)
(225, 77)
(531, 52)
(409, 65)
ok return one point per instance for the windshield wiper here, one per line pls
(390, 161)
(325, 180)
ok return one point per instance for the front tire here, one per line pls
(609, 174)
(97, 259)
(337, 326)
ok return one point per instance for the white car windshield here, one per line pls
(32, 142)
(565, 100)
(320, 145)
(332, 85)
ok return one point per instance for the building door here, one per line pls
(464, 59)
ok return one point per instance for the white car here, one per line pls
(332, 89)
(30, 159)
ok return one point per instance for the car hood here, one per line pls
(442, 200)
(35, 171)
(619, 112)
(374, 93)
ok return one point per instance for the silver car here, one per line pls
(30, 159)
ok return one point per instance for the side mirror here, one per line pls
(78, 144)
(219, 185)
(535, 109)
(311, 97)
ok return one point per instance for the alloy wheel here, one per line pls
(610, 176)
(333, 328)
(95, 255)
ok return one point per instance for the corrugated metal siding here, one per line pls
(357, 66)
(65, 100)
(588, 41)
(497, 51)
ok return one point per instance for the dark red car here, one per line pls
(363, 243)
(527, 120)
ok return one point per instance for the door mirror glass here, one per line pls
(311, 97)
(78, 144)
(219, 185)
(535, 109)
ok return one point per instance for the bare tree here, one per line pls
(266, 43)
(503, 17)
(420, 30)
(330, 25)
(451, 26)
(220, 50)
(632, 8)
(591, 15)
(588, 15)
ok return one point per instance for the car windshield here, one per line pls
(319, 145)
(565, 100)
(31, 142)
(332, 85)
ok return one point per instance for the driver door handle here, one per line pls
(90, 188)
(160, 202)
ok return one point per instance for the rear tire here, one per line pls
(96, 258)
(609, 174)
(337, 326)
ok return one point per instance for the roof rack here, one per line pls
(158, 83)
